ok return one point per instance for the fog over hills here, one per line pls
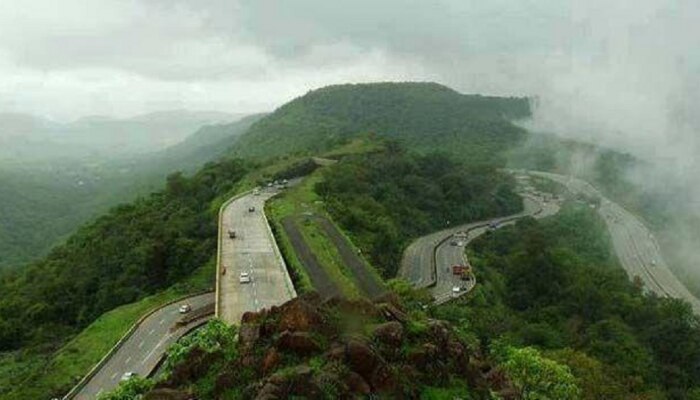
(33, 140)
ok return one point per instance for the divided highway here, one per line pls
(143, 350)
(252, 251)
(427, 261)
(634, 244)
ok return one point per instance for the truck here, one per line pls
(232, 234)
(464, 272)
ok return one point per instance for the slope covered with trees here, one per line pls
(384, 199)
(425, 116)
(132, 251)
(43, 204)
(554, 284)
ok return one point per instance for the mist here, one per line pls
(624, 75)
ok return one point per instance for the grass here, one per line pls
(36, 376)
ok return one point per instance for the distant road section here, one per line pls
(253, 251)
(142, 351)
(427, 261)
(634, 244)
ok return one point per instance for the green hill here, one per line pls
(426, 116)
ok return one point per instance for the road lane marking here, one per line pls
(127, 360)
(141, 345)
(151, 332)
(113, 376)
(161, 321)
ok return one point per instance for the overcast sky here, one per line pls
(607, 70)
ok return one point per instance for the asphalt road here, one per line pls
(254, 251)
(144, 348)
(635, 245)
(447, 255)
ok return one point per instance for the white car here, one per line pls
(185, 308)
(244, 277)
(128, 375)
(456, 290)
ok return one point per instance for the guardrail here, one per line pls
(81, 384)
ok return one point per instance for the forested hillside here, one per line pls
(555, 285)
(43, 204)
(425, 116)
(132, 251)
(384, 199)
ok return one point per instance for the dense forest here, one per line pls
(555, 285)
(425, 116)
(134, 250)
(384, 199)
(43, 204)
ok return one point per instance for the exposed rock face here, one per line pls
(337, 349)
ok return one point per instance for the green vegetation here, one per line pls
(535, 377)
(45, 202)
(56, 373)
(425, 116)
(386, 198)
(555, 285)
(135, 250)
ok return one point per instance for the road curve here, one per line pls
(636, 247)
(254, 251)
(142, 351)
(447, 254)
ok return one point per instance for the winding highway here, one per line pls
(143, 349)
(636, 247)
(253, 251)
(427, 261)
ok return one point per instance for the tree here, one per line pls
(536, 377)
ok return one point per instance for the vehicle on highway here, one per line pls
(128, 375)
(453, 243)
(456, 290)
(232, 234)
(256, 192)
(493, 225)
(185, 308)
(251, 209)
(244, 277)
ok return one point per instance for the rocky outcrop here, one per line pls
(337, 349)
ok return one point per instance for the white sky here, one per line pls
(620, 71)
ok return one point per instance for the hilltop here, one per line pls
(425, 116)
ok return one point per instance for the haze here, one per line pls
(625, 73)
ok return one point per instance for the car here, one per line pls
(251, 209)
(256, 192)
(232, 234)
(456, 290)
(244, 277)
(653, 262)
(453, 243)
(128, 375)
(185, 308)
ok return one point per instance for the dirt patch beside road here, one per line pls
(368, 282)
(319, 278)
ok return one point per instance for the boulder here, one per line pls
(299, 315)
(390, 333)
(300, 343)
(270, 361)
(362, 358)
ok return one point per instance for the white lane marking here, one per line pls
(127, 360)
(113, 376)
(151, 332)
(161, 321)
(141, 345)
(150, 353)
